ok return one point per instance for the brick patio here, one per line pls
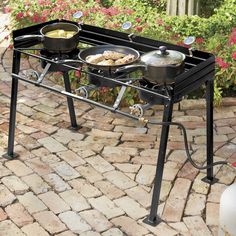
(98, 180)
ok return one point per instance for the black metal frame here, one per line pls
(12, 121)
(70, 101)
(199, 69)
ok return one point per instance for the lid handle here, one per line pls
(163, 50)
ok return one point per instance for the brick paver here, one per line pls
(49, 221)
(34, 229)
(15, 184)
(54, 202)
(74, 222)
(96, 219)
(6, 197)
(18, 214)
(98, 180)
(32, 203)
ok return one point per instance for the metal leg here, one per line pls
(152, 218)
(70, 101)
(209, 123)
(12, 122)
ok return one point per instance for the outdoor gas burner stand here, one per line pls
(199, 70)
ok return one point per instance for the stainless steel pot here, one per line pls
(159, 66)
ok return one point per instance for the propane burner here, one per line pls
(69, 58)
(153, 99)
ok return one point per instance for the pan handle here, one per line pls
(25, 37)
(131, 68)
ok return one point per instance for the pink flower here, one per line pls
(221, 63)
(7, 9)
(234, 55)
(93, 10)
(77, 73)
(199, 40)
(129, 11)
(104, 89)
(232, 37)
(115, 25)
(45, 13)
(160, 22)
(138, 20)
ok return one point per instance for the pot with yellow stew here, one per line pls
(59, 37)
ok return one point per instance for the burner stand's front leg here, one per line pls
(70, 101)
(209, 123)
(152, 218)
(12, 121)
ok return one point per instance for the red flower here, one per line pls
(85, 13)
(10, 46)
(234, 55)
(199, 40)
(139, 28)
(138, 20)
(221, 63)
(19, 15)
(36, 18)
(43, 18)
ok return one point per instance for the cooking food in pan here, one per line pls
(109, 58)
(60, 33)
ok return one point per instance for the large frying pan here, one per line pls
(100, 50)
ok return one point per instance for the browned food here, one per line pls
(113, 55)
(108, 62)
(95, 59)
(109, 58)
(125, 60)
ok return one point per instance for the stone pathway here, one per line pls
(98, 180)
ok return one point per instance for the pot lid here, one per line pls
(163, 57)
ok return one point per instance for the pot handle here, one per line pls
(131, 68)
(25, 37)
(174, 66)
